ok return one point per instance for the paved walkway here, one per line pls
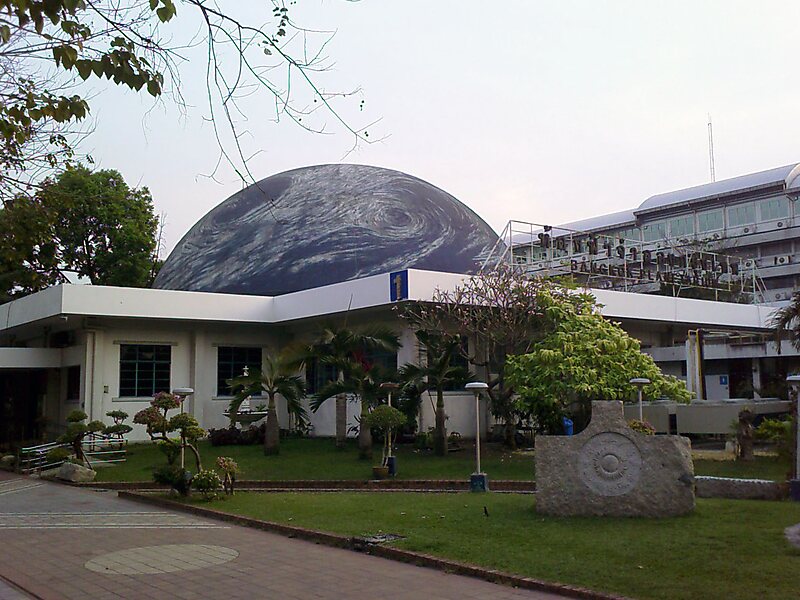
(62, 542)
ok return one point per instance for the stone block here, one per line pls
(610, 470)
(75, 473)
(741, 489)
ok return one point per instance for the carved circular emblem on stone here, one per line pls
(610, 464)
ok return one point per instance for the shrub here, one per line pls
(642, 427)
(208, 483)
(778, 432)
(229, 469)
(58, 455)
(171, 449)
(174, 476)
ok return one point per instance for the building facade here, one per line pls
(736, 239)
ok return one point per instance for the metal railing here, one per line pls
(99, 448)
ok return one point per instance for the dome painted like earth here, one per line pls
(325, 224)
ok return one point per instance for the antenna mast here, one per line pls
(711, 149)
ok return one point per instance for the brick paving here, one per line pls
(49, 549)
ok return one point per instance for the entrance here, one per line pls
(21, 395)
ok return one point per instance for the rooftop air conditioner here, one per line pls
(781, 223)
(782, 260)
(750, 263)
(716, 236)
(778, 296)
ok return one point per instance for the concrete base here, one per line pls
(478, 482)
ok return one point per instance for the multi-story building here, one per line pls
(736, 239)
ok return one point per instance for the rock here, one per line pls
(8, 461)
(741, 489)
(610, 470)
(75, 473)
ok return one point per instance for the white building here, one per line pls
(377, 237)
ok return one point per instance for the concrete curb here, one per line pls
(360, 545)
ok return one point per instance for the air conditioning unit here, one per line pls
(781, 223)
(782, 260)
(750, 263)
(716, 236)
(778, 296)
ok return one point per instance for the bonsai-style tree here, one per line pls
(586, 357)
(277, 378)
(386, 419)
(437, 374)
(119, 428)
(338, 346)
(77, 430)
(159, 425)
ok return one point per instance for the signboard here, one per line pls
(398, 286)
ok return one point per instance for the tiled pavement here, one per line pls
(61, 542)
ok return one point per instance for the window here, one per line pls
(654, 231)
(73, 384)
(459, 359)
(774, 209)
(318, 374)
(710, 220)
(631, 234)
(681, 226)
(144, 369)
(741, 214)
(231, 363)
(385, 360)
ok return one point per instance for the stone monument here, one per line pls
(611, 470)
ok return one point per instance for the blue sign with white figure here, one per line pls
(723, 380)
(398, 286)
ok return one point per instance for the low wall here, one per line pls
(740, 489)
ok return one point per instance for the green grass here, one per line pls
(727, 549)
(316, 458)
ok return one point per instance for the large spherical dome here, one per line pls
(325, 224)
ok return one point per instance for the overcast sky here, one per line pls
(539, 111)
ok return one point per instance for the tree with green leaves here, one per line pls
(503, 312)
(437, 374)
(363, 380)
(49, 48)
(159, 426)
(786, 320)
(89, 223)
(340, 347)
(278, 377)
(586, 357)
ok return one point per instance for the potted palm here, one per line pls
(385, 419)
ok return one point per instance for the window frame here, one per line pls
(139, 363)
(701, 214)
(729, 210)
(781, 200)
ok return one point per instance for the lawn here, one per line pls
(726, 549)
(316, 458)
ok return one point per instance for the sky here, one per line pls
(536, 111)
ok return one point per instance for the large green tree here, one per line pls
(586, 357)
(48, 48)
(89, 223)
(503, 312)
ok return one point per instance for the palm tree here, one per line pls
(363, 379)
(788, 318)
(338, 346)
(437, 374)
(276, 378)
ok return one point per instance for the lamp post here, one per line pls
(639, 383)
(182, 393)
(794, 483)
(478, 482)
(391, 460)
